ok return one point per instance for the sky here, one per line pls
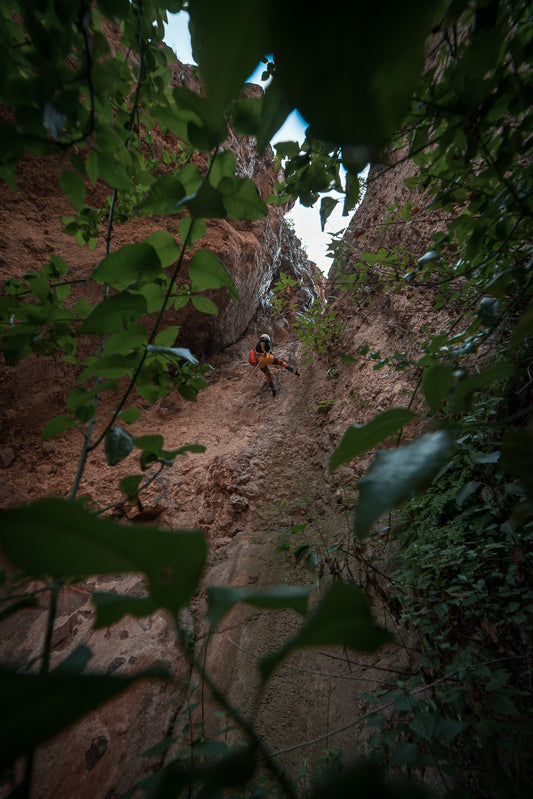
(306, 220)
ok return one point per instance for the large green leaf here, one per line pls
(208, 272)
(342, 618)
(117, 445)
(241, 198)
(229, 39)
(222, 599)
(164, 196)
(110, 608)
(204, 304)
(111, 171)
(436, 384)
(36, 708)
(473, 382)
(57, 425)
(367, 105)
(73, 185)
(165, 246)
(396, 474)
(110, 314)
(62, 540)
(357, 440)
(133, 263)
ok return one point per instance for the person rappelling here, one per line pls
(261, 356)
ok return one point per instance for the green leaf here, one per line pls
(222, 599)
(57, 425)
(436, 384)
(62, 540)
(501, 703)
(112, 172)
(524, 328)
(117, 445)
(126, 340)
(111, 313)
(342, 618)
(26, 701)
(224, 166)
(423, 725)
(397, 474)
(204, 304)
(129, 486)
(385, 67)
(152, 443)
(228, 42)
(133, 263)
(208, 272)
(241, 198)
(180, 352)
(76, 662)
(206, 202)
(110, 366)
(164, 197)
(167, 337)
(357, 440)
(73, 185)
(495, 373)
(129, 415)
(165, 246)
(447, 729)
(191, 230)
(110, 608)
(327, 205)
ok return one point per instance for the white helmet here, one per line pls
(264, 337)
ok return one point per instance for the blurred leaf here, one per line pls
(397, 474)
(228, 41)
(133, 263)
(222, 599)
(436, 384)
(129, 415)
(224, 166)
(495, 373)
(342, 618)
(204, 304)
(73, 185)
(129, 485)
(111, 313)
(110, 608)
(75, 662)
(63, 540)
(194, 229)
(164, 196)
(26, 718)
(57, 425)
(117, 445)
(165, 246)
(327, 205)
(384, 67)
(241, 198)
(112, 172)
(357, 440)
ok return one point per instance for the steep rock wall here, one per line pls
(264, 471)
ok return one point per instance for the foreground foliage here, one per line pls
(63, 89)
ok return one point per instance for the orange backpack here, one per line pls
(252, 357)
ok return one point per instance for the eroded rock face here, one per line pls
(265, 470)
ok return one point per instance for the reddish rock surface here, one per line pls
(263, 471)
